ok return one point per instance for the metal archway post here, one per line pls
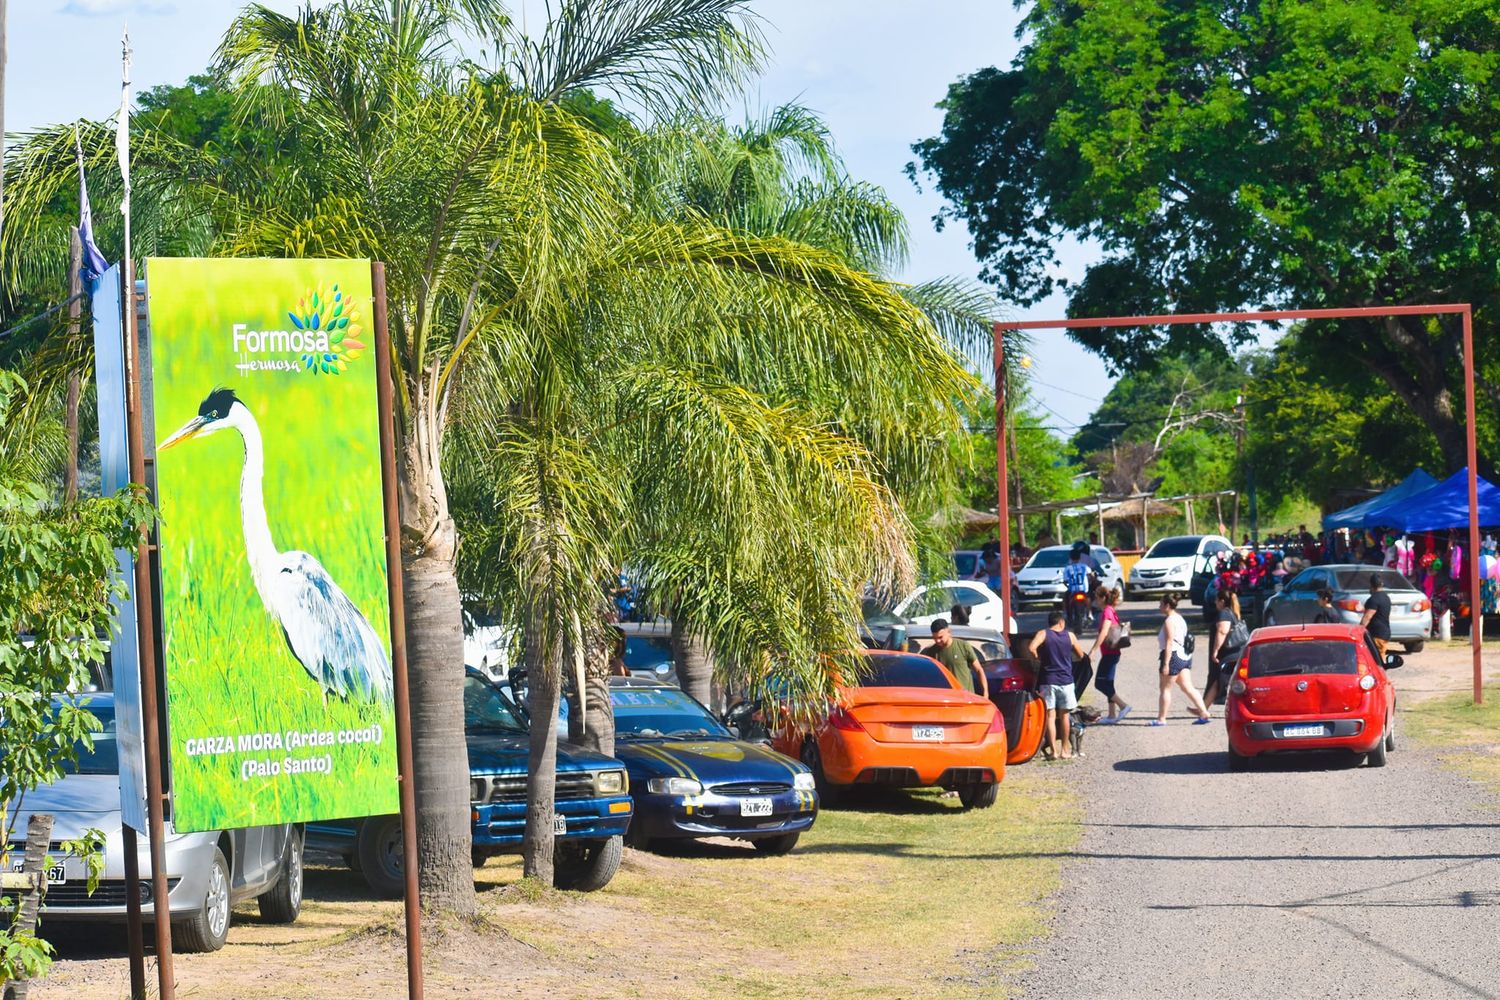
(1462, 309)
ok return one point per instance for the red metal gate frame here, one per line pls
(1462, 309)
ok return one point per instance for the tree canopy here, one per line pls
(1228, 154)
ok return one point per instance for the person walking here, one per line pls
(1325, 613)
(1377, 616)
(962, 660)
(1109, 658)
(1227, 642)
(1076, 590)
(1055, 648)
(1176, 664)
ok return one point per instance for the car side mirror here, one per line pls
(1393, 660)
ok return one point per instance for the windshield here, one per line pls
(966, 563)
(1049, 559)
(895, 670)
(1174, 547)
(486, 709)
(1359, 579)
(878, 613)
(652, 712)
(646, 653)
(105, 757)
(1311, 656)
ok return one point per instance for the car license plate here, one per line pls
(755, 807)
(559, 824)
(1032, 593)
(927, 734)
(56, 875)
(1315, 729)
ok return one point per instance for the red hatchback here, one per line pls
(1311, 687)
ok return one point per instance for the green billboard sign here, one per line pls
(275, 612)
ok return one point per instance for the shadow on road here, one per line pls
(1215, 762)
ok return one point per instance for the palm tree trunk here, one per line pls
(435, 656)
(544, 683)
(695, 671)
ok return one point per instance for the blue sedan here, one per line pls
(691, 778)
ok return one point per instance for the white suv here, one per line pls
(1169, 565)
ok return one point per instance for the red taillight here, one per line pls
(1421, 604)
(1010, 683)
(1349, 604)
(840, 718)
(997, 724)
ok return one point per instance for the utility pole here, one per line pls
(2, 113)
(1239, 448)
(75, 314)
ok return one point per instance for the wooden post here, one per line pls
(38, 838)
(1476, 618)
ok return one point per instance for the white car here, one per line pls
(1169, 565)
(1041, 579)
(926, 604)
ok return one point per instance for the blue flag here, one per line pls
(94, 263)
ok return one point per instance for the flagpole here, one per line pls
(144, 578)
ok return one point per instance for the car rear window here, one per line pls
(1049, 559)
(903, 671)
(1359, 579)
(1185, 546)
(1303, 656)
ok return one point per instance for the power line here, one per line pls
(42, 315)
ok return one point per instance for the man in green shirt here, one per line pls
(961, 659)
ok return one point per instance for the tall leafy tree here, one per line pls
(1233, 154)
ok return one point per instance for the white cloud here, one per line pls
(108, 8)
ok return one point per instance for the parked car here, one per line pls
(966, 563)
(904, 722)
(1012, 686)
(208, 874)
(1411, 611)
(1311, 687)
(692, 778)
(926, 604)
(1171, 564)
(648, 649)
(1041, 579)
(593, 805)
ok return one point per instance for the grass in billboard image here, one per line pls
(275, 612)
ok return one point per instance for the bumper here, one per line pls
(1163, 586)
(503, 825)
(1250, 736)
(188, 860)
(1045, 593)
(710, 815)
(857, 759)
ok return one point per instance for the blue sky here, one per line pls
(873, 68)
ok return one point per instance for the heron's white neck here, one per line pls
(259, 547)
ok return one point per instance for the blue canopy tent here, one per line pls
(1369, 513)
(1445, 505)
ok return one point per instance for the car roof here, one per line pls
(1285, 633)
(636, 681)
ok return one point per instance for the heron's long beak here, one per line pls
(187, 430)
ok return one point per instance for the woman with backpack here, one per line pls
(1176, 663)
(1227, 641)
(1111, 632)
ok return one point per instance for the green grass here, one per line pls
(905, 895)
(1468, 734)
(229, 670)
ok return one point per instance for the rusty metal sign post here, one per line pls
(1462, 309)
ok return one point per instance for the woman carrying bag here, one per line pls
(1113, 636)
(1176, 664)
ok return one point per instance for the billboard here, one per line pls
(275, 612)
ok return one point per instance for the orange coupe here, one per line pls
(905, 723)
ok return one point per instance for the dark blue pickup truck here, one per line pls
(593, 804)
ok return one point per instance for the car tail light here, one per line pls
(1237, 686)
(1010, 682)
(1367, 682)
(997, 724)
(840, 719)
(1350, 604)
(1421, 604)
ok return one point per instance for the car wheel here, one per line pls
(980, 796)
(828, 793)
(382, 855)
(587, 865)
(1237, 761)
(283, 902)
(208, 929)
(1414, 647)
(1377, 757)
(776, 846)
(1390, 734)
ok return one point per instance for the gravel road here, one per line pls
(1307, 877)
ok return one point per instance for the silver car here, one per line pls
(1297, 601)
(207, 873)
(1041, 579)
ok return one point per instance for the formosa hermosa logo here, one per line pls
(324, 337)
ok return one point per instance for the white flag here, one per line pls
(122, 134)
